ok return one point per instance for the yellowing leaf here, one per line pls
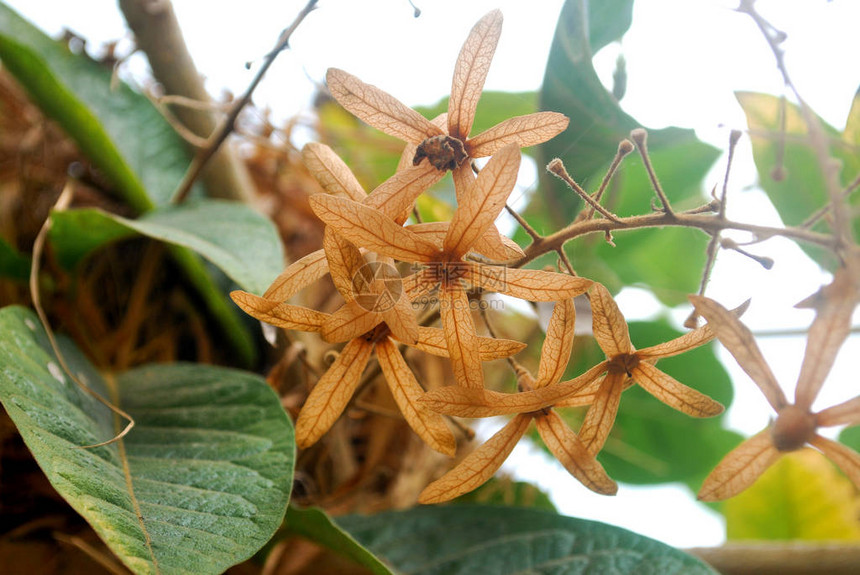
(802, 496)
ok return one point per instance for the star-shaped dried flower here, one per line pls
(601, 386)
(449, 147)
(795, 425)
(481, 464)
(446, 268)
(376, 313)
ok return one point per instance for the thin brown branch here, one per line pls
(523, 223)
(556, 168)
(640, 136)
(225, 127)
(624, 148)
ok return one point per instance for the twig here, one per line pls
(38, 247)
(640, 136)
(523, 223)
(556, 168)
(624, 149)
(225, 127)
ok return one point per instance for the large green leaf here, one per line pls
(234, 237)
(119, 130)
(651, 442)
(800, 190)
(200, 483)
(314, 524)
(489, 540)
(803, 496)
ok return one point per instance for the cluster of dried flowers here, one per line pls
(366, 233)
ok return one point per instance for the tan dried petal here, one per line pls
(555, 352)
(331, 394)
(471, 70)
(524, 131)
(531, 285)
(587, 394)
(348, 322)
(844, 457)
(491, 244)
(572, 454)
(379, 109)
(674, 393)
(479, 466)
(429, 426)
(740, 468)
(400, 319)
(741, 344)
(601, 415)
(370, 229)
(846, 413)
(344, 262)
(689, 341)
(608, 324)
(331, 172)
(459, 328)
(462, 402)
(827, 333)
(481, 207)
(297, 276)
(280, 314)
(432, 340)
(395, 196)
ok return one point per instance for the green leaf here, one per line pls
(200, 483)
(119, 130)
(314, 524)
(802, 496)
(13, 264)
(802, 190)
(651, 442)
(455, 540)
(668, 261)
(238, 240)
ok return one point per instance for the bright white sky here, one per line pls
(684, 60)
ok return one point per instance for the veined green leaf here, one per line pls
(200, 483)
(464, 539)
(13, 264)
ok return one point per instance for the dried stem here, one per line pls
(523, 223)
(225, 127)
(556, 168)
(640, 136)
